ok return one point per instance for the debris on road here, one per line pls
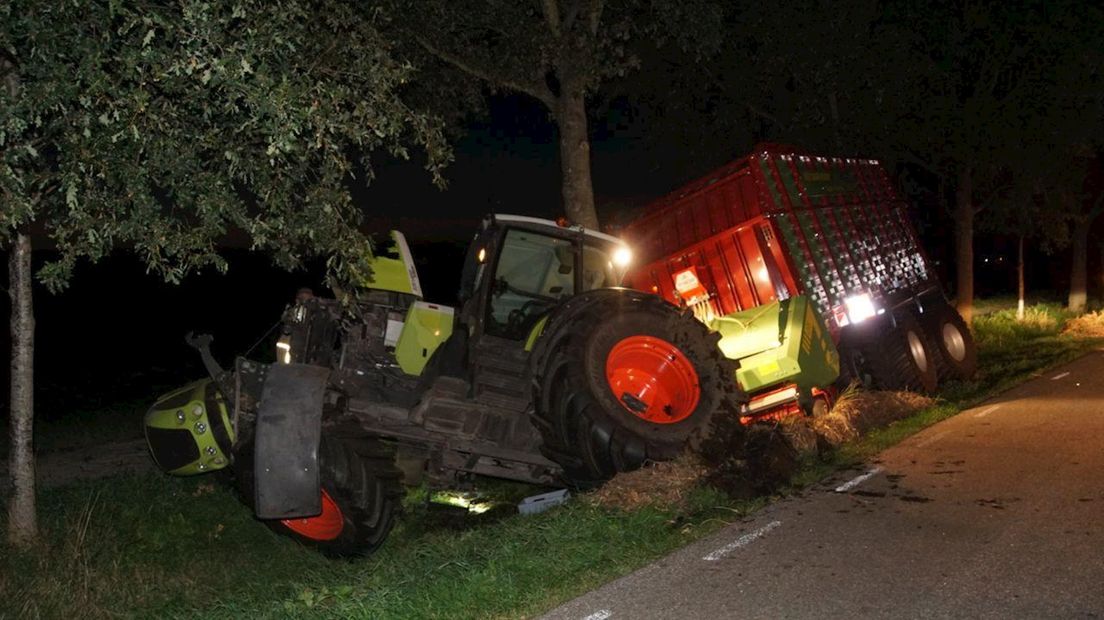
(666, 484)
(749, 461)
(859, 411)
(539, 503)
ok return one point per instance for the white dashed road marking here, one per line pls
(857, 480)
(930, 440)
(601, 614)
(1059, 376)
(983, 413)
(742, 541)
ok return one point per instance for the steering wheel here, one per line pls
(520, 320)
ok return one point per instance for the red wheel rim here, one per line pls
(652, 379)
(326, 526)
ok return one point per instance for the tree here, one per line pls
(1083, 209)
(160, 128)
(1025, 212)
(558, 52)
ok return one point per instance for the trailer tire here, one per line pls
(639, 346)
(361, 496)
(900, 358)
(956, 351)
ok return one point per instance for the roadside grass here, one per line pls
(153, 546)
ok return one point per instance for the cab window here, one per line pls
(534, 273)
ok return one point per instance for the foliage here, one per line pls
(539, 48)
(166, 128)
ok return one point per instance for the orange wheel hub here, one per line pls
(652, 379)
(326, 526)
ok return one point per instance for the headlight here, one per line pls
(283, 350)
(860, 307)
(622, 256)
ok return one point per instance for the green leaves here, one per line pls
(169, 129)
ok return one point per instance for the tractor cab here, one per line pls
(520, 268)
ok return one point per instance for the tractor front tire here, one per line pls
(624, 382)
(955, 349)
(361, 496)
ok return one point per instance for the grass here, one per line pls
(153, 546)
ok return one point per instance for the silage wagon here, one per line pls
(809, 267)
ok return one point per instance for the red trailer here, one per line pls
(781, 224)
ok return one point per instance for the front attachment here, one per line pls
(288, 431)
(188, 430)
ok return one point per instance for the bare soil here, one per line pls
(63, 467)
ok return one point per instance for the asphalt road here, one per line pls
(995, 513)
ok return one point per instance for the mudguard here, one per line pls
(287, 433)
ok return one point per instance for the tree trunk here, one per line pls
(22, 517)
(1101, 270)
(964, 244)
(1020, 281)
(578, 192)
(1078, 293)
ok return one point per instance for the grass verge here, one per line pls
(154, 546)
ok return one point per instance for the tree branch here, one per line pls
(536, 90)
(988, 199)
(570, 15)
(551, 16)
(596, 8)
(770, 117)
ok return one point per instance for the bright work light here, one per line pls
(860, 307)
(622, 256)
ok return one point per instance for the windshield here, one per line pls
(535, 272)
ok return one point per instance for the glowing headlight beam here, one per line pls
(860, 307)
(622, 256)
(285, 349)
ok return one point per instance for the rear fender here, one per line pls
(544, 334)
(286, 438)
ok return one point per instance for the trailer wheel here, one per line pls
(625, 383)
(361, 495)
(956, 352)
(899, 358)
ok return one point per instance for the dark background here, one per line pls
(116, 334)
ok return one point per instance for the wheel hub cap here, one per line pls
(919, 355)
(326, 526)
(652, 379)
(954, 342)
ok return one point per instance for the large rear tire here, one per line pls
(624, 381)
(894, 358)
(361, 496)
(955, 349)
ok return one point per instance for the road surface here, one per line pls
(995, 513)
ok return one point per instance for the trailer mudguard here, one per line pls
(286, 438)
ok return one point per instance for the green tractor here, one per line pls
(547, 372)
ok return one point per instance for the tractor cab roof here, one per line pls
(549, 226)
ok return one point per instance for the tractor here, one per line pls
(546, 372)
